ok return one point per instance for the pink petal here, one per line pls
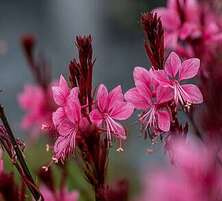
(27, 121)
(192, 6)
(66, 128)
(172, 4)
(63, 84)
(163, 120)
(134, 97)
(31, 98)
(141, 75)
(96, 117)
(121, 110)
(142, 79)
(186, 30)
(61, 92)
(164, 94)
(115, 95)
(117, 129)
(59, 96)
(69, 196)
(171, 39)
(211, 29)
(73, 108)
(144, 91)
(64, 146)
(58, 116)
(189, 68)
(217, 37)
(47, 193)
(193, 94)
(162, 78)
(172, 65)
(102, 97)
(74, 94)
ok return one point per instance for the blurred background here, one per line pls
(118, 47)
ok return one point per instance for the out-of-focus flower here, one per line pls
(212, 32)
(174, 72)
(63, 195)
(178, 21)
(38, 105)
(111, 107)
(196, 175)
(149, 97)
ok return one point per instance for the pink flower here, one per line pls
(111, 107)
(62, 195)
(196, 176)
(178, 21)
(67, 121)
(174, 72)
(149, 97)
(39, 105)
(212, 32)
(61, 92)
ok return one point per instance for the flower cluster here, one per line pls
(70, 122)
(182, 25)
(157, 90)
(86, 123)
(78, 111)
(198, 35)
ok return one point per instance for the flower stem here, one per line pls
(33, 189)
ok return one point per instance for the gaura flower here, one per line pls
(67, 121)
(111, 106)
(62, 195)
(149, 97)
(174, 72)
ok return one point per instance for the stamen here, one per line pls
(120, 149)
(47, 147)
(46, 167)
